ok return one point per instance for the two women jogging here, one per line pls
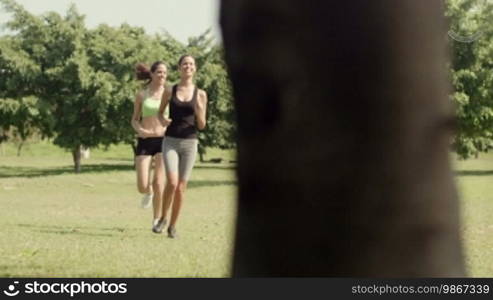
(187, 114)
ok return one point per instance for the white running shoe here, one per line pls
(146, 201)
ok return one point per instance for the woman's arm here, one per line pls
(201, 109)
(162, 107)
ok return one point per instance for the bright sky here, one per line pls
(181, 18)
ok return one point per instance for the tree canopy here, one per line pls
(83, 79)
(471, 41)
(62, 80)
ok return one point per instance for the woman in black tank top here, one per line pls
(183, 115)
(187, 111)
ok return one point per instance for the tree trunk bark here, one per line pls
(201, 151)
(134, 150)
(19, 148)
(344, 127)
(76, 155)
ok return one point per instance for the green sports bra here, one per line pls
(150, 106)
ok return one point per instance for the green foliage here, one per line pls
(472, 79)
(55, 223)
(213, 78)
(23, 117)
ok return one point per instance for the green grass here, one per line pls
(58, 224)
(474, 180)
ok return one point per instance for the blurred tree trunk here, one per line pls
(19, 147)
(344, 125)
(201, 151)
(134, 151)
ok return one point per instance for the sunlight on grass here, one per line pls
(59, 224)
(474, 179)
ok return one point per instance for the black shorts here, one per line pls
(149, 146)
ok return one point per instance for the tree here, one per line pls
(471, 74)
(117, 51)
(343, 139)
(213, 78)
(84, 76)
(21, 119)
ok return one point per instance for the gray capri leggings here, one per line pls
(179, 156)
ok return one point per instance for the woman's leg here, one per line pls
(158, 185)
(142, 165)
(177, 202)
(169, 192)
(188, 153)
(170, 159)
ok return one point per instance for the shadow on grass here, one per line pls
(473, 172)
(30, 172)
(209, 183)
(79, 230)
(120, 159)
(74, 232)
(214, 167)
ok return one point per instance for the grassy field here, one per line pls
(58, 224)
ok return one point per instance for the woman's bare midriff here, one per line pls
(153, 125)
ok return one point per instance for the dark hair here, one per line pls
(183, 57)
(142, 72)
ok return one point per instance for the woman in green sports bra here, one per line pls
(150, 134)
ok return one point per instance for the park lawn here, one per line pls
(55, 223)
(59, 224)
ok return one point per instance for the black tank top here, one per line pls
(182, 114)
